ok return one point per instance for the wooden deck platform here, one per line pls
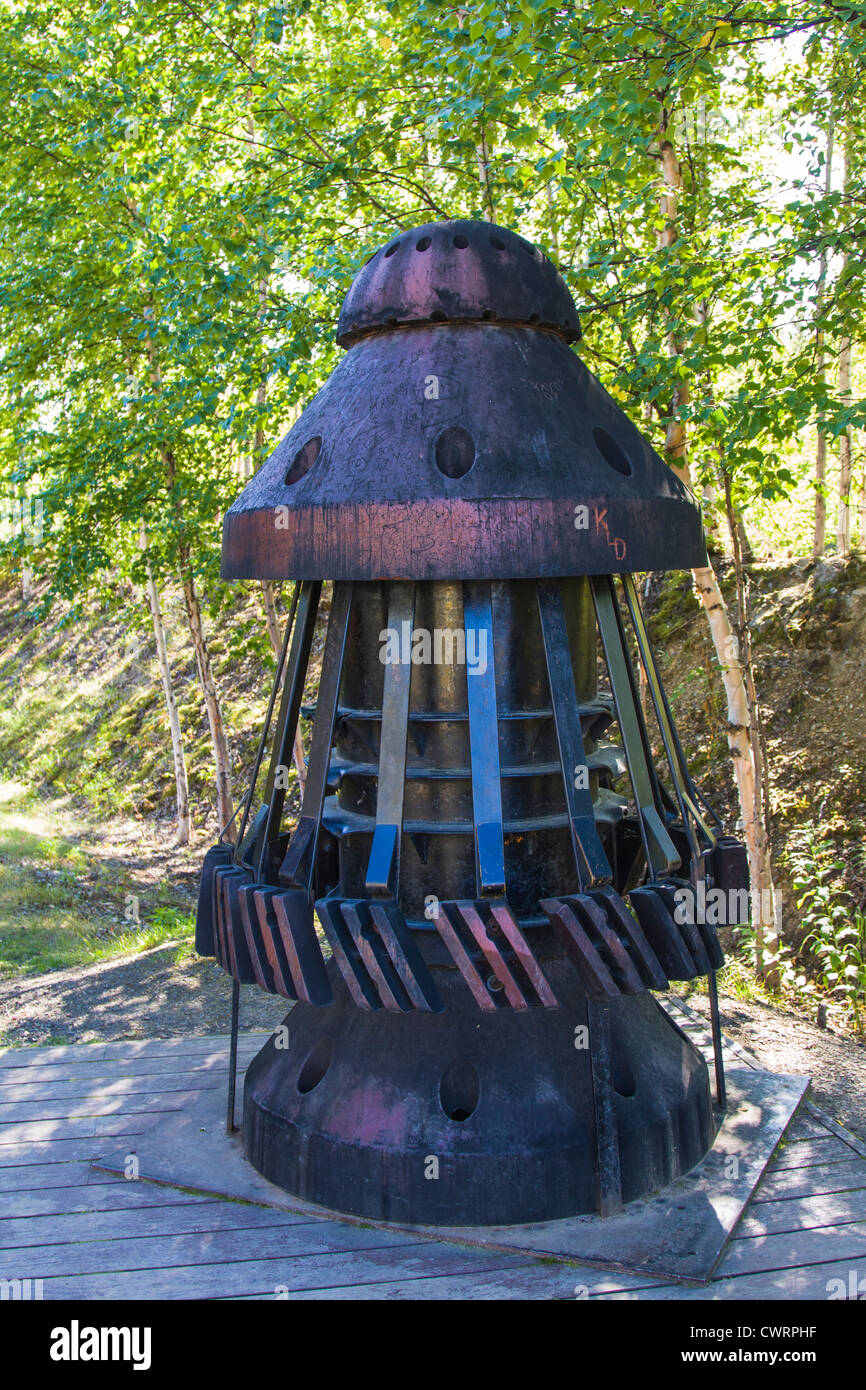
(88, 1235)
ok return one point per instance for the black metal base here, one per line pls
(464, 1118)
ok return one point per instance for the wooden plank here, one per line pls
(197, 1079)
(789, 1250)
(27, 1056)
(164, 1253)
(110, 1196)
(215, 1044)
(696, 1030)
(803, 1153)
(108, 1072)
(83, 1063)
(781, 1285)
(855, 1141)
(806, 1126)
(784, 1183)
(50, 1129)
(333, 1270)
(533, 1280)
(803, 1213)
(28, 1176)
(102, 1126)
(26, 1111)
(89, 1088)
(696, 1025)
(47, 1151)
(181, 1218)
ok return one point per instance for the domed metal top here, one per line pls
(457, 272)
(460, 437)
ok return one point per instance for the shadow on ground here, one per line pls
(163, 993)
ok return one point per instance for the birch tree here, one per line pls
(183, 828)
(742, 729)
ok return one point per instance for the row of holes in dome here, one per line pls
(487, 316)
(461, 242)
(459, 1087)
(454, 454)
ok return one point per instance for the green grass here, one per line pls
(60, 906)
(83, 724)
(736, 979)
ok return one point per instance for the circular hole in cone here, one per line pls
(459, 1090)
(304, 460)
(611, 452)
(455, 452)
(316, 1065)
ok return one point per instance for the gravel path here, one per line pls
(787, 1042)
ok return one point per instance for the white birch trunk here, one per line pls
(843, 522)
(183, 819)
(819, 538)
(219, 742)
(482, 155)
(740, 716)
(222, 761)
(177, 750)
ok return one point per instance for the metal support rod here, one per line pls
(716, 1028)
(607, 1166)
(231, 1127)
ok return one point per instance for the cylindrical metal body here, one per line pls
(437, 850)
